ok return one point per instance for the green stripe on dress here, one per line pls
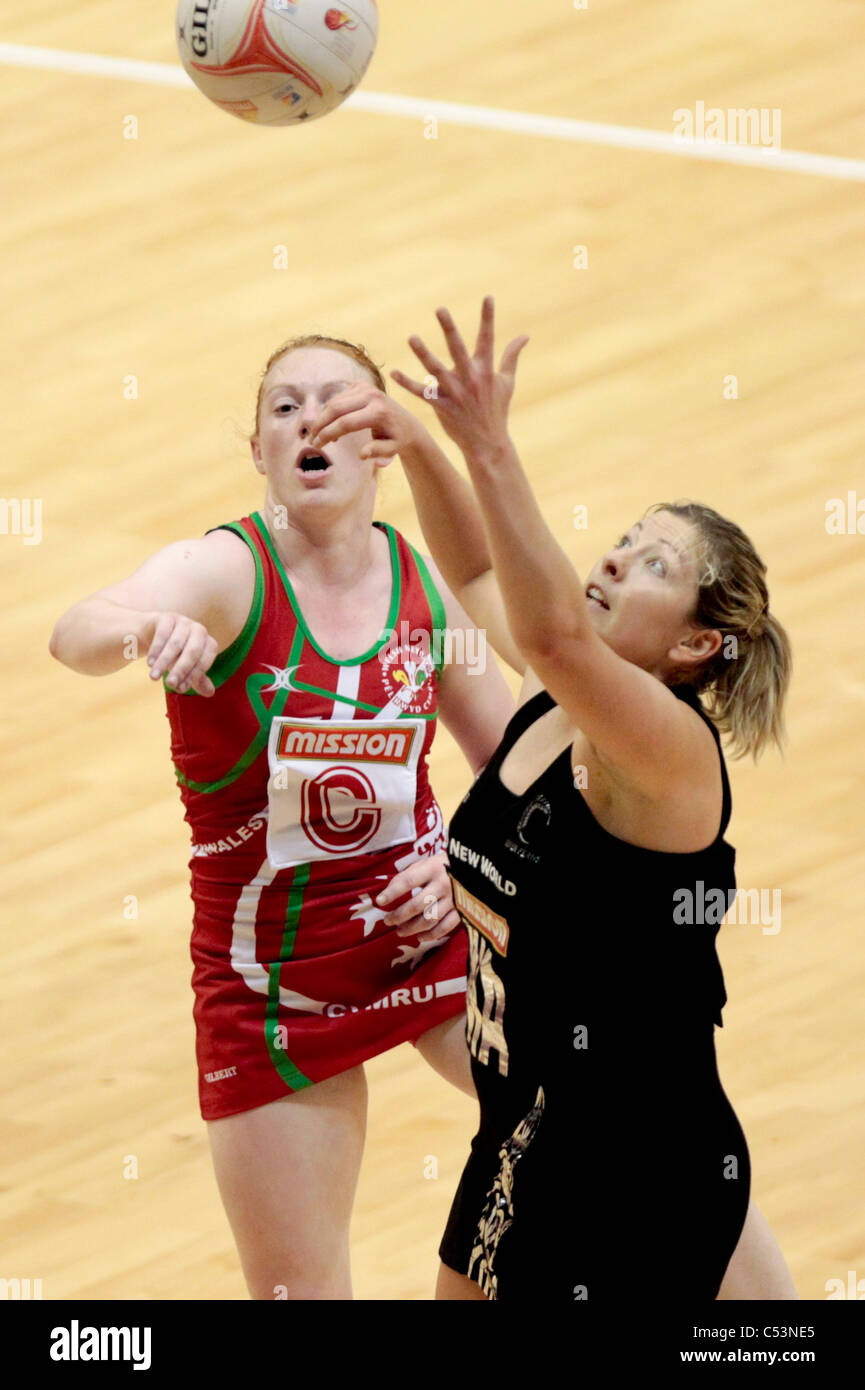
(266, 714)
(291, 1074)
(229, 661)
(436, 607)
(233, 657)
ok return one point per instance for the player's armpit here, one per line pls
(532, 685)
(634, 722)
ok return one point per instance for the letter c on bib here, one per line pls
(339, 810)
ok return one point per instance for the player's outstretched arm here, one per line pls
(449, 516)
(453, 529)
(179, 609)
(635, 724)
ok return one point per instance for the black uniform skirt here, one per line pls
(631, 1185)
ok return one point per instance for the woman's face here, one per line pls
(642, 594)
(294, 393)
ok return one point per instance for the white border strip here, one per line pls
(93, 65)
(480, 117)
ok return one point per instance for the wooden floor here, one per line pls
(153, 259)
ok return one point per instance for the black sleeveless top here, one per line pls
(574, 932)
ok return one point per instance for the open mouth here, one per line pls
(596, 595)
(311, 461)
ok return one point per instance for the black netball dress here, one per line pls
(609, 1163)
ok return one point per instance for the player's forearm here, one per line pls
(541, 590)
(449, 515)
(98, 636)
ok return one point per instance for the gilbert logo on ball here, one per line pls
(276, 62)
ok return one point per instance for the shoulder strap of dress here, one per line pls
(690, 696)
(245, 529)
(434, 599)
(521, 720)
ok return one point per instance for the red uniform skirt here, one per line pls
(297, 978)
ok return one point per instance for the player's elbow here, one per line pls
(62, 645)
(55, 641)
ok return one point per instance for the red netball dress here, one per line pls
(305, 784)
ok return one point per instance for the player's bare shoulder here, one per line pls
(227, 565)
(229, 546)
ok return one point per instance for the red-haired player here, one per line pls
(304, 651)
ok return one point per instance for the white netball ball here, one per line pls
(276, 62)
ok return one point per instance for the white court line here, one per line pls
(483, 117)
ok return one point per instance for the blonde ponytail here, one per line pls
(744, 685)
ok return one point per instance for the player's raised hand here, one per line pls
(471, 398)
(183, 648)
(363, 406)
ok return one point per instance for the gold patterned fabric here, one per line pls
(498, 1212)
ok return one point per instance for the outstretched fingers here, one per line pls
(511, 353)
(427, 358)
(344, 403)
(379, 449)
(408, 384)
(456, 346)
(486, 332)
(345, 421)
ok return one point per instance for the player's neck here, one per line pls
(333, 552)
